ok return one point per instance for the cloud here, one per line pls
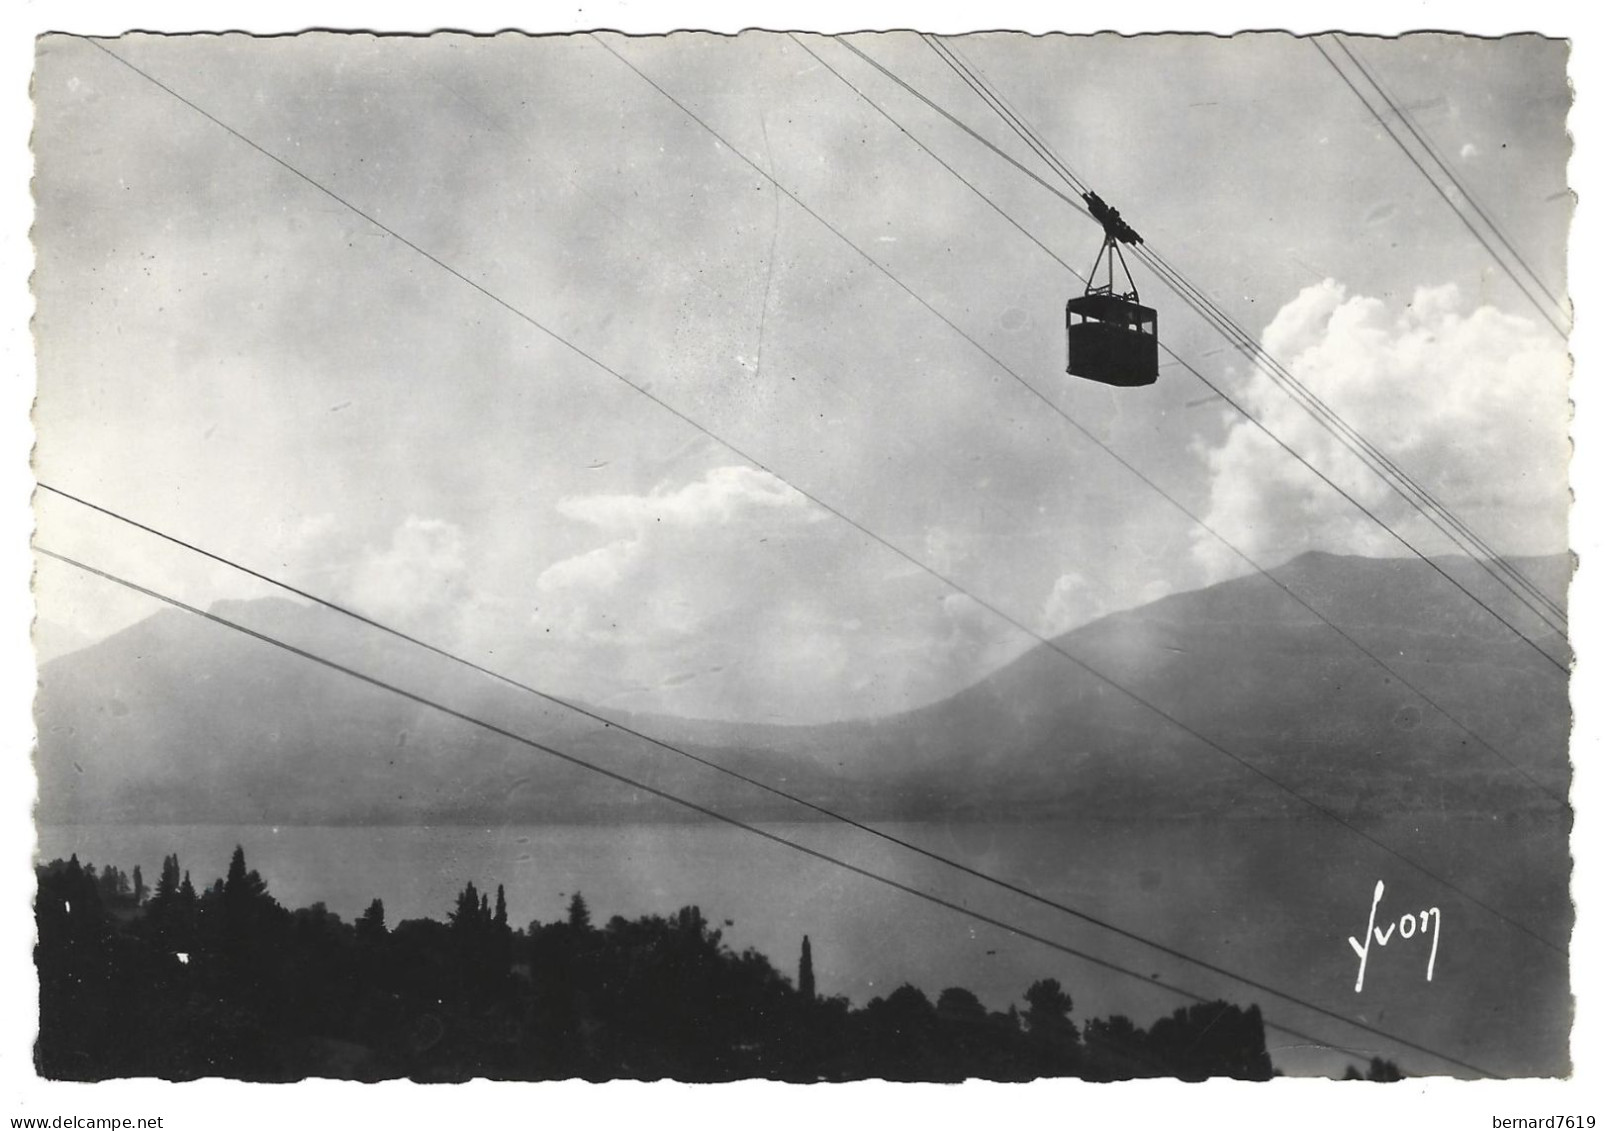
(651, 579)
(1471, 403)
(726, 596)
(639, 585)
(595, 570)
(419, 574)
(1076, 600)
(306, 534)
(1071, 602)
(721, 496)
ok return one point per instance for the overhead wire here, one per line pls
(824, 811)
(1002, 107)
(993, 608)
(724, 818)
(1245, 344)
(832, 509)
(1410, 489)
(1153, 485)
(1460, 214)
(1379, 462)
(1460, 185)
(416, 249)
(1548, 612)
(1431, 180)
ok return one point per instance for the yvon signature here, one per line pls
(1408, 926)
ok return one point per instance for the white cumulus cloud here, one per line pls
(594, 570)
(1471, 402)
(728, 596)
(656, 575)
(722, 495)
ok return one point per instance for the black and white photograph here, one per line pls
(923, 555)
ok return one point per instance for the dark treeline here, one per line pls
(177, 982)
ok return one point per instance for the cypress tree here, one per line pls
(466, 916)
(805, 971)
(167, 885)
(165, 900)
(234, 884)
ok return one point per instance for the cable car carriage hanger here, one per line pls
(1113, 338)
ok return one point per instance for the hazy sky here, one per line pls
(232, 356)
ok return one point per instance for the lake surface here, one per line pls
(1273, 900)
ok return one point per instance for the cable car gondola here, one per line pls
(1113, 338)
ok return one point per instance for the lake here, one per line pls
(1273, 900)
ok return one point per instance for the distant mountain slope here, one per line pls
(1242, 664)
(177, 720)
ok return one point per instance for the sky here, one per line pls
(1238, 213)
(230, 354)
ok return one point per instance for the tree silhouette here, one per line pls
(231, 984)
(466, 916)
(241, 888)
(579, 913)
(902, 1036)
(112, 884)
(959, 1006)
(1052, 1035)
(1048, 1006)
(371, 923)
(236, 880)
(167, 883)
(805, 971)
(1211, 1039)
(79, 984)
(1115, 1049)
(1379, 1071)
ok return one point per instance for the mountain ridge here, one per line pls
(174, 720)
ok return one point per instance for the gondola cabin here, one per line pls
(1112, 340)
